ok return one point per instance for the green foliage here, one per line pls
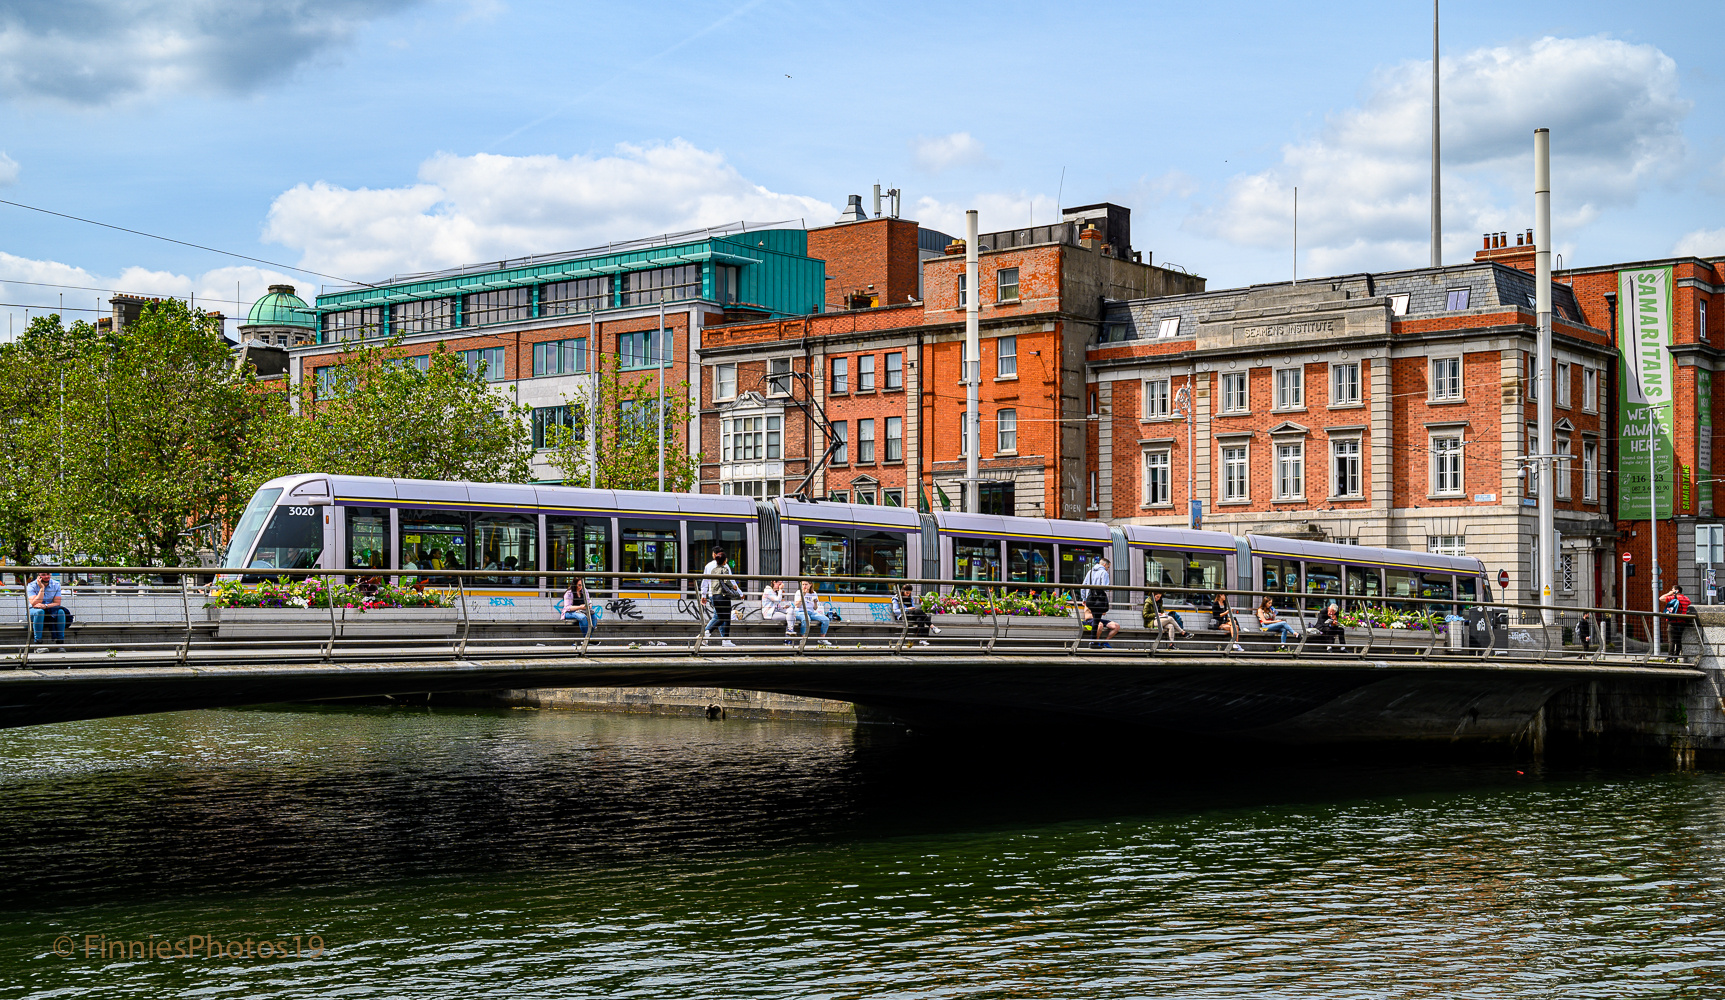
(1004, 602)
(384, 416)
(627, 446)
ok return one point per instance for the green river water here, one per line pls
(481, 854)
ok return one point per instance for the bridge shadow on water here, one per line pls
(233, 803)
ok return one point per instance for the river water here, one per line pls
(471, 854)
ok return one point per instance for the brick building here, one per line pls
(873, 384)
(1389, 409)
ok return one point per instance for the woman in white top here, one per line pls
(809, 609)
(776, 605)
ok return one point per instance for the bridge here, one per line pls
(1408, 688)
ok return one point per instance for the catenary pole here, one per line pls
(1437, 181)
(592, 399)
(1653, 519)
(659, 362)
(1542, 304)
(972, 370)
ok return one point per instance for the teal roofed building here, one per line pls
(280, 318)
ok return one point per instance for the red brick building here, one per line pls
(875, 388)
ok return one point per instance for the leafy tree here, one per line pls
(32, 370)
(162, 433)
(627, 429)
(379, 413)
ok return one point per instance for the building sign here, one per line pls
(1288, 331)
(1704, 439)
(1646, 394)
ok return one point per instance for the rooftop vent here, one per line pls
(853, 210)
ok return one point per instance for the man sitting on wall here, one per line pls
(46, 609)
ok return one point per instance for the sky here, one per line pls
(357, 140)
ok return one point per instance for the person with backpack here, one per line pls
(717, 592)
(1097, 599)
(1677, 613)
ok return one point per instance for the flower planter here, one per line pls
(1402, 639)
(314, 623)
(1041, 627)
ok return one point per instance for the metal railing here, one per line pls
(1453, 628)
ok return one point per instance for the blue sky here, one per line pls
(367, 138)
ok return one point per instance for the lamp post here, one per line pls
(1653, 519)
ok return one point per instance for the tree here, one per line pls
(379, 413)
(31, 421)
(627, 429)
(161, 433)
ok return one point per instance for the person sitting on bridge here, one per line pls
(576, 607)
(776, 606)
(1097, 599)
(905, 609)
(1158, 617)
(809, 609)
(1330, 627)
(46, 609)
(1222, 617)
(1270, 622)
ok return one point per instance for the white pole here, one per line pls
(972, 370)
(1296, 235)
(1542, 305)
(592, 400)
(659, 361)
(1437, 182)
(1653, 521)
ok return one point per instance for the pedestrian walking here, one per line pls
(717, 592)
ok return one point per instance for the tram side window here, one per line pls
(251, 522)
(1029, 562)
(367, 538)
(1437, 587)
(1282, 575)
(1075, 562)
(433, 540)
(1192, 570)
(649, 547)
(975, 559)
(1363, 581)
(879, 553)
(826, 553)
(580, 545)
(293, 539)
(506, 542)
(1467, 588)
(1399, 587)
(1324, 578)
(704, 536)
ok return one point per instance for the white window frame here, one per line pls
(1701, 319)
(865, 441)
(1561, 375)
(1532, 379)
(1566, 572)
(1290, 470)
(1451, 305)
(779, 381)
(892, 374)
(1236, 488)
(1446, 381)
(1532, 478)
(1290, 388)
(1399, 304)
(838, 376)
(894, 439)
(961, 292)
(1589, 390)
(841, 433)
(1231, 381)
(1158, 398)
(1001, 285)
(1710, 543)
(1351, 449)
(1006, 357)
(1445, 545)
(721, 379)
(1343, 391)
(865, 373)
(1589, 470)
(1168, 326)
(1448, 466)
(1158, 486)
(1006, 431)
(1561, 472)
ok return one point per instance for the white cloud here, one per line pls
(47, 286)
(96, 52)
(467, 209)
(935, 153)
(8, 169)
(1701, 243)
(995, 211)
(1364, 179)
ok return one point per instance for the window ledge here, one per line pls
(1006, 454)
(1445, 402)
(1447, 496)
(1233, 503)
(862, 392)
(1287, 409)
(893, 461)
(1014, 301)
(1290, 500)
(1358, 405)
(1155, 506)
(1222, 414)
(1006, 378)
(1345, 499)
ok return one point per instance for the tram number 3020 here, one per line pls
(302, 511)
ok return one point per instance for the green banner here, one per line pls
(1704, 439)
(1646, 396)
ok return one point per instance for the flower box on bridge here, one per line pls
(350, 623)
(1044, 628)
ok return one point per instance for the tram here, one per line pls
(532, 537)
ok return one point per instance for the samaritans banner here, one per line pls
(1647, 394)
(1704, 439)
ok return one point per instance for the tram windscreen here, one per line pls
(251, 522)
(293, 539)
(1191, 570)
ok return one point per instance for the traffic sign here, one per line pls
(1628, 558)
(1503, 579)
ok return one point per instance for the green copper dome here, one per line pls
(281, 307)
